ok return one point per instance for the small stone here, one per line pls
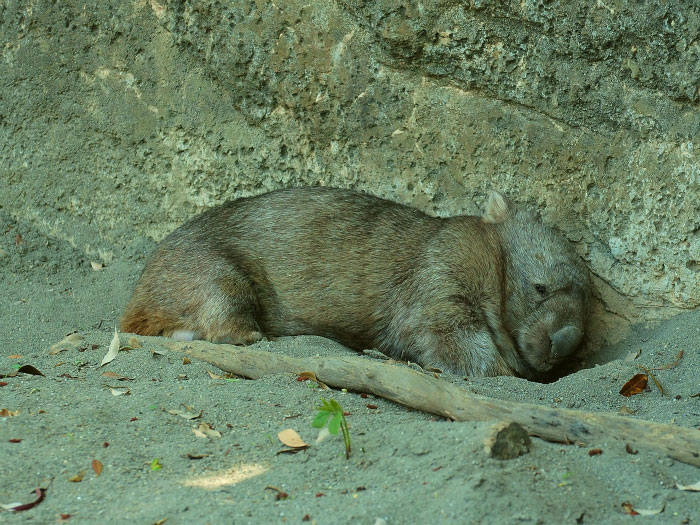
(507, 440)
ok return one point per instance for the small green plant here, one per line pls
(331, 413)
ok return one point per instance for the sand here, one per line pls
(405, 466)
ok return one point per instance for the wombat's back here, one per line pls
(317, 260)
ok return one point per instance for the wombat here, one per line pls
(500, 294)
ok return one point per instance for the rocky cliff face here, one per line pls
(123, 119)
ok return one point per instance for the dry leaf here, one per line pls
(290, 438)
(97, 466)
(119, 391)
(96, 266)
(629, 509)
(635, 385)
(189, 455)
(651, 512)
(15, 356)
(113, 349)
(632, 356)
(186, 415)
(114, 375)
(312, 377)
(280, 493)
(695, 487)
(29, 369)
(70, 342)
(8, 413)
(204, 430)
(626, 410)
(671, 365)
(78, 477)
(323, 434)
(157, 353)
(18, 507)
(133, 342)
(213, 375)
(186, 361)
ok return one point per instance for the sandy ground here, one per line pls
(405, 467)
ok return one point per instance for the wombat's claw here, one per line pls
(243, 339)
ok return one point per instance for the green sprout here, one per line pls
(331, 409)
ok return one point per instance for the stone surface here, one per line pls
(120, 120)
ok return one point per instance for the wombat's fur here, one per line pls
(491, 295)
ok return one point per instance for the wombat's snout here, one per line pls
(565, 341)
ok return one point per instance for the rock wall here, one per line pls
(119, 120)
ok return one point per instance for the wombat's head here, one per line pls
(547, 288)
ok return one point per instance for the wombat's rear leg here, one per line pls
(217, 305)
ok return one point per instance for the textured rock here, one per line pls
(120, 119)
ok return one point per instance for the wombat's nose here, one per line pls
(565, 341)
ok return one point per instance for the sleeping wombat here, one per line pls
(491, 295)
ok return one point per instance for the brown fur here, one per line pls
(491, 295)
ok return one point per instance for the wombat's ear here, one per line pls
(497, 209)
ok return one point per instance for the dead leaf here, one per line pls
(204, 430)
(186, 361)
(96, 266)
(157, 353)
(186, 415)
(78, 477)
(113, 349)
(29, 369)
(18, 239)
(651, 512)
(595, 452)
(695, 487)
(114, 375)
(630, 450)
(280, 493)
(291, 438)
(70, 342)
(323, 434)
(656, 381)
(196, 456)
(312, 377)
(632, 356)
(133, 342)
(15, 356)
(213, 375)
(636, 385)
(97, 466)
(18, 507)
(8, 413)
(671, 365)
(119, 391)
(626, 411)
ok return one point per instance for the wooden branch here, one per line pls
(429, 394)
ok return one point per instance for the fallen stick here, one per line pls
(429, 394)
